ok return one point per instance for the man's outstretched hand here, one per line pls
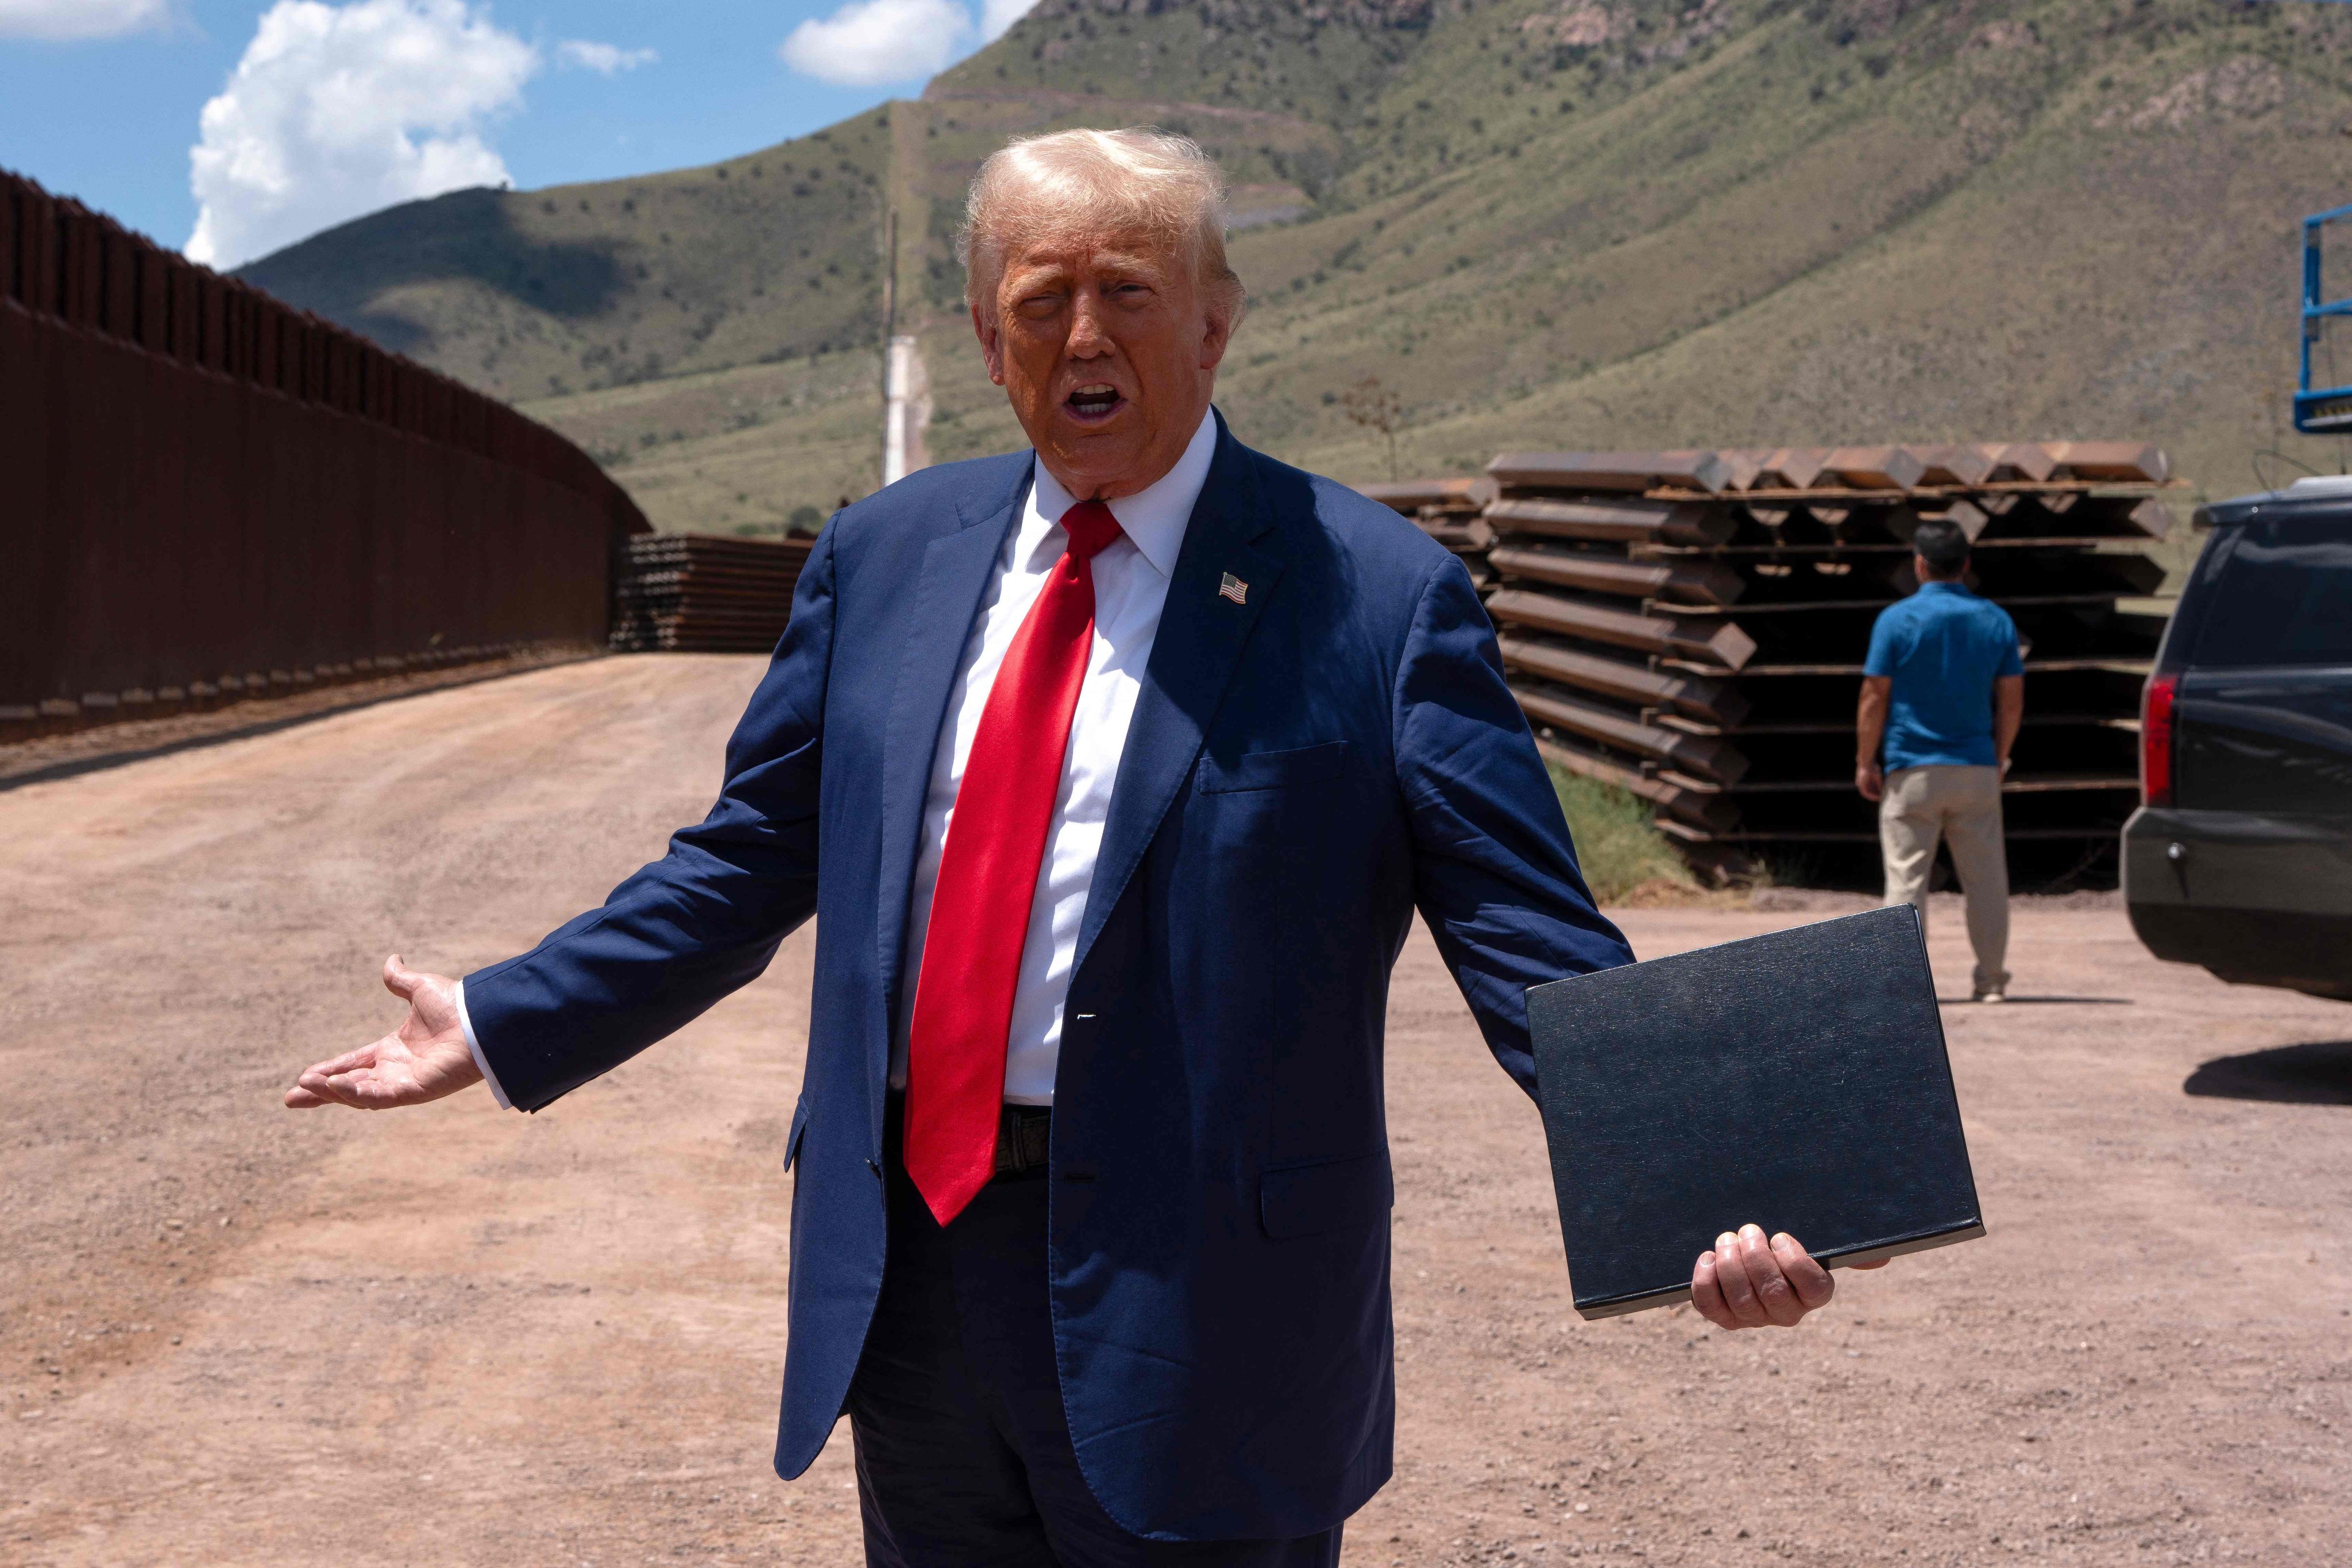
(1749, 1280)
(422, 1059)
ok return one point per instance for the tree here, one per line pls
(1375, 407)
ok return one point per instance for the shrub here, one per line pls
(1620, 848)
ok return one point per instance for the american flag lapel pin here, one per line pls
(1233, 588)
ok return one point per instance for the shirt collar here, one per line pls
(1944, 585)
(1153, 517)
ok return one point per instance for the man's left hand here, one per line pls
(1750, 1282)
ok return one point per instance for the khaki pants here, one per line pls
(1961, 806)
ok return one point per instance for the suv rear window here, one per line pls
(2283, 597)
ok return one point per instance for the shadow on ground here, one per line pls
(2319, 1073)
(2016, 1001)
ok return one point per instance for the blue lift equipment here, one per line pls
(2322, 410)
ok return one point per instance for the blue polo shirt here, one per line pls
(1944, 648)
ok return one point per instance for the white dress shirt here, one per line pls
(1132, 576)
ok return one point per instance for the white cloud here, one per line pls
(996, 15)
(336, 110)
(869, 42)
(604, 59)
(80, 18)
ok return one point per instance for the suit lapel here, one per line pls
(956, 572)
(1202, 632)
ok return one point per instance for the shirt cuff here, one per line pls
(466, 1022)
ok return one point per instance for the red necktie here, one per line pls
(988, 879)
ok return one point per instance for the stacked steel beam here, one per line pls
(1450, 512)
(1691, 626)
(689, 592)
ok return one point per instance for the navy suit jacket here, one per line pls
(1305, 769)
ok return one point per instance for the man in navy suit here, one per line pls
(1115, 772)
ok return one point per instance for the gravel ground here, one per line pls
(229, 1332)
(78, 751)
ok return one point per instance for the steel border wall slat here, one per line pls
(209, 486)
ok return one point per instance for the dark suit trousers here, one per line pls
(964, 1455)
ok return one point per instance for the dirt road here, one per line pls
(455, 1335)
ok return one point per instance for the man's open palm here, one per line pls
(422, 1059)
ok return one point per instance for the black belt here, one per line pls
(1025, 1137)
(1024, 1140)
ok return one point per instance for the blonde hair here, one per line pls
(1093, 182)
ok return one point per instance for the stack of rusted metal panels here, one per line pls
(689, 592)
(1691, 626)
(1450, 512)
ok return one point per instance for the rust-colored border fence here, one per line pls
(206, 495)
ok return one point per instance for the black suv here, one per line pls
(2241, 857)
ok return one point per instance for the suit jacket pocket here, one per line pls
(1334, 1195)
(1271, 770)
(792, 1138)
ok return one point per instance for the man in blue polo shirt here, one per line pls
(1944, 689)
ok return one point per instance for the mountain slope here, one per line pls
(2051, 221)
(1540, 221)
(769, 256)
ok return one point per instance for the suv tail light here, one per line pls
(2156, 740)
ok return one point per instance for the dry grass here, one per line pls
(754, 450)
(1626, 860)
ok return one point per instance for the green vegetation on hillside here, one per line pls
(757, 450)
(529, 294)
(1541, 222)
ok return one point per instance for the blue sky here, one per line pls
(331, 107)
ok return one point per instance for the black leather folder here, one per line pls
(1821, 1046)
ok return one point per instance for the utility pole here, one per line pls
(896, 370)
